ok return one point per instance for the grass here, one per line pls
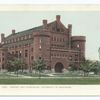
(34, 75)
(64, 79)
(5, 75)
(42, 81)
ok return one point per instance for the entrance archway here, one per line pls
(59, 67)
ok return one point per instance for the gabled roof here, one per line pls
(30, 31)
(25, 32)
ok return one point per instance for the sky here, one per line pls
(84, 23)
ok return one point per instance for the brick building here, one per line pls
(51, 41)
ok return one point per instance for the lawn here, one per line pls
(7, 78)
(5, 75)
(42, 81)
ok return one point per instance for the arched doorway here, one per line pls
(59, 67)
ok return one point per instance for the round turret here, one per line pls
(78, 43)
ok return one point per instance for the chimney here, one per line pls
(2, 37)
(13, 31)
(58, 18)
(45, 23)
(70, 28)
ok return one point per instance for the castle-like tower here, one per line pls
(52, 42)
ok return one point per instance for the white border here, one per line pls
(49, 90)
(50, 1)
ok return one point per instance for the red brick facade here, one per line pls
(52, 41)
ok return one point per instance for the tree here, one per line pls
(23, 64)
(96, 67)
(86, 66)
(72, 67)
(10, 66)
(17, 65)
(39, 66)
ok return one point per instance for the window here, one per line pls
(16, 53)
(51, 54)
(57, 54)
(16, 39)
(53, 28)
(57, 39)
(62, 30)
(78, 45)
(63, 39)
(8, 41)
(70, 58)
(19, 45)
(19, 38)
(20, 53)
(12, 52)
(3, 59)
(26, 53)
(29, 36)
(2, 54)
(25, 37)
(32, 49)
(13, 40)
(58, 30)
(60, 39)
(32, 57)
(40, 58)
(40, 40)
(76, 55)
(15, 46)
(54, 38)
(22, 38)
(40, 47)
(76, 59)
